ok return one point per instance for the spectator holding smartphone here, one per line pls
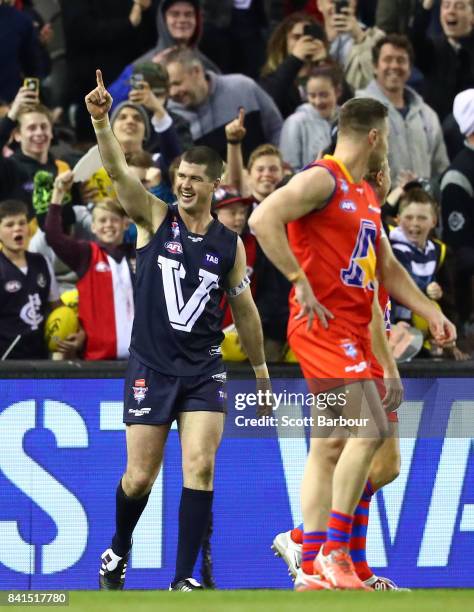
(149, 85)
(350, 42)
(297, 45)
(33, 166)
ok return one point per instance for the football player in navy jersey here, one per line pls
(186, 259)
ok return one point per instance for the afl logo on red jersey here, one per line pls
(173, 247)
(348, 206)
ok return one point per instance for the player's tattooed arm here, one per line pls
(141, 206)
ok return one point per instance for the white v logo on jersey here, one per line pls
(182, 316)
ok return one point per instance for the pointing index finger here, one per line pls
(241, 116)
(100, 82)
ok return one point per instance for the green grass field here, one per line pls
(271, 601)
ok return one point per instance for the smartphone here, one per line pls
(32, 83)
(137, 80)
(340, 5)
(311, 29)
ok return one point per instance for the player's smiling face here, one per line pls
(193, 187)
(14, 233)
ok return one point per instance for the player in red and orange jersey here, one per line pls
(386, 462)
(336, 253)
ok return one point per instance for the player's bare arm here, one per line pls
(305, 192)
(400, 286)
(249, 327)
(381, 349)
(245, 313)
(142, 207)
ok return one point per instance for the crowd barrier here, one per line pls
(62, 453)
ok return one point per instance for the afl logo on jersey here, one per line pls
(173, 247)
(348, 206)
(13, 286)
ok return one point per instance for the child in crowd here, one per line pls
(308, 131)
(105, 269)
(419, 254)
(28, 288)
(232, 210)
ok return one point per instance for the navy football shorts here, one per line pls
(152, 398)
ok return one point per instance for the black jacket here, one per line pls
(99, 34)
(281, 85)
(447, 71)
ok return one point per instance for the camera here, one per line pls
(32, 83)
(313, 30)
(137, 80)
(340, 5)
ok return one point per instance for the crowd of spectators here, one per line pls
(261, 82)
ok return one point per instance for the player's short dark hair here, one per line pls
(10, 208)
(361, 115)
(205, 156)
(400, 41)
(420, 196)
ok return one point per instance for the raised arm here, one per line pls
(304, 193)
(146, 210)
(235, 132)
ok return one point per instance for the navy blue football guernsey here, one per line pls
(23, 306)
(179, 285)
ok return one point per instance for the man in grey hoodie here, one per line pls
(208, 101)
(416, 144)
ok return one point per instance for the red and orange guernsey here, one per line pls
(336, 247)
